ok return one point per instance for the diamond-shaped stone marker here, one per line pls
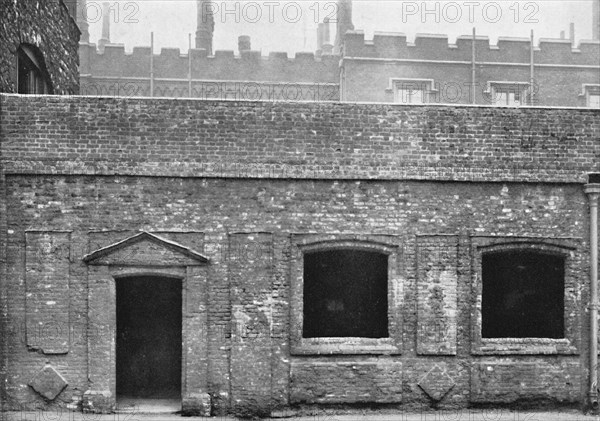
(436, 383)
(48, 382)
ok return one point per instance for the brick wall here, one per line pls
(297, 140)
(49, 26)
(250, 369)
(103, 169)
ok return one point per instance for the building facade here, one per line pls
(248, 257)
(387, 69)
(251, 257)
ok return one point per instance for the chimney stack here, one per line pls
(344, 23)
(327, 50)
(105, 38)
(205, 26)
(572, 33)
(320, 36)
(326, 32)
(244, 43)
(81, 19)
(562, 34)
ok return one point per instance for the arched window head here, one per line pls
(33, 76)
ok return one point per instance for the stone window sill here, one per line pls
(524, 346)
(334, 346)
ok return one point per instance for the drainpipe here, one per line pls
(473, 67)
(592, 190)
(189, 65)
(151, 64)
(531, 71)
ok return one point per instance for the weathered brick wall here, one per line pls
(431, 178)
(49, 26)
(297, 140)
(250, 367)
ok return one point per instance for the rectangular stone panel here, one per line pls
(250, 262)
(510, 380)
(437, 279)
(47, 291)
(346, 381)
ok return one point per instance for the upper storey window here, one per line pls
(513, 94)
(32, 74)
(592, 96)
(411, 91)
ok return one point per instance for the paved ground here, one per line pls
(465, 415)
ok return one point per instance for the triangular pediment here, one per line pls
(146, 249)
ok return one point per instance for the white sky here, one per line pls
(291, 26)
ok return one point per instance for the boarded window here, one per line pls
(345, 294)
(523, 295)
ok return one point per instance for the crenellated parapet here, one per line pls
(223, 65)
(437, 47)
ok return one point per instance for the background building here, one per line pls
(516, 72)
(295, 254)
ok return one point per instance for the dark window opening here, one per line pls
(149, 338)
(523, 295)
(594, 178)
(345, 294)
(32, 77)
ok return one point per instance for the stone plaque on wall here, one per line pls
(47, 291)
(437, 262)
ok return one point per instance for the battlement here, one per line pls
(437, 47)
(223, 65)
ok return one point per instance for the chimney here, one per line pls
(205, 25)
(320, 36)
(105, 38)
(326, 32)
(344, 23)
(327, 49)
(596, 19)
(244, 43)
(562, 34)
(81, 19)
(572, 33)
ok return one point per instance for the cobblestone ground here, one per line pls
(465, 415)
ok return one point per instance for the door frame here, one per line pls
(171, 275)
(146, 254)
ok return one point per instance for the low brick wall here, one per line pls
(82, 135)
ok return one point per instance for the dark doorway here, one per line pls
(149, 337)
